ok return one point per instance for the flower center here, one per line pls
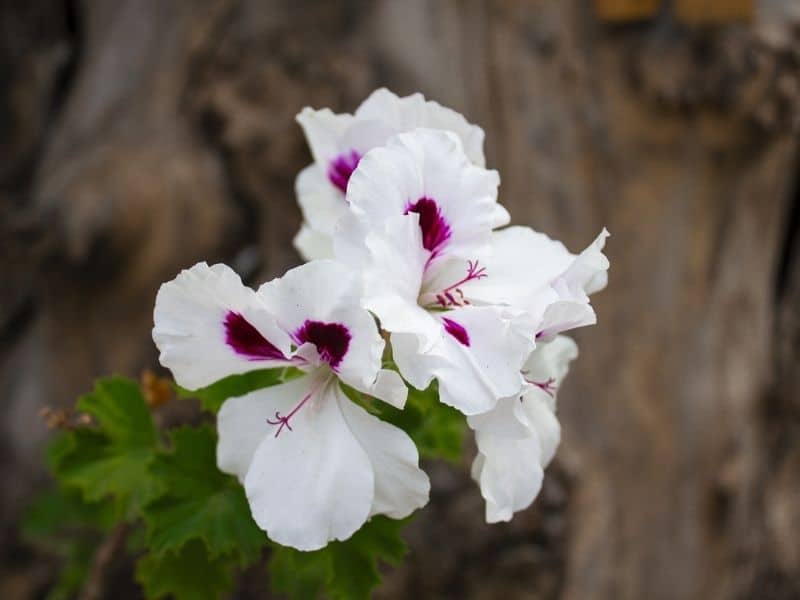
(341, 168)
(331, 339)
(435, 229)
(246, 340)
(457, 330)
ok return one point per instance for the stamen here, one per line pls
(445, 298)
(548, 387)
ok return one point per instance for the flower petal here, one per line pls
(388, 387)
(244, 422)
(324, 130)
(392, 262)
(509, 473)
(520, 263)
(590, 268)
(315, 483)
(571, 306)
(209, 325)
(413, 111)
(401, 486)
(477, 360)
(428, 165)
(321, 204)
(320, 299)
(518, 438)
(312, 245)
(541, 422)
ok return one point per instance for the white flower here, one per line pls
(518, 439)
(339, 141)
(418, 210)
(528, 270)
(315, 465)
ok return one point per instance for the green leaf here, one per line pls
(346, 570)
(110, 459)
(299, 575)
(60, 522)
(438, 430)
(187, 574)
(212, 397)
(199, 502)
(63, 511)
(355, 561)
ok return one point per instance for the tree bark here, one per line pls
(149, 135)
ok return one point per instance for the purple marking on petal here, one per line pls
(457, 330)
(341, 168)
(247, 341)
(435, 230)
(331, 339)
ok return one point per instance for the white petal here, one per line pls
(324, 131)
(190, 315)
(590, 268)
(503, 420)
(551, 359)
(569, 312)
(476, 371)
(321, 203)
(361, 365)
(312, 244)
(327, 292)
(401, 486)
(314, 290)
(519, 437)
(528, 270)
(509, 474)
(243, 422)
(500, 217)
(417, 368)
(392, 262)
(542, 423)
(315, 483)
(388, 387)
(521, 263)
(410, 112)
(431, 164)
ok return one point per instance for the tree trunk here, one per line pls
(141, 136)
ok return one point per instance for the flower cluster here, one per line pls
(413, 276)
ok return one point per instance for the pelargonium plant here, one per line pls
(419, 315)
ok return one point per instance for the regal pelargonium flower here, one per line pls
(530, 271)
(315, 465)
(418, 206)
(519, 437)
(339, 141)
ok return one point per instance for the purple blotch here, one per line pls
(435, 230)
(331, 339)
(247, 340)
(341, 168)
(457, 330)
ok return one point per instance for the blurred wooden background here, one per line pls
(140, 136)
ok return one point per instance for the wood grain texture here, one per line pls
(173, 141)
